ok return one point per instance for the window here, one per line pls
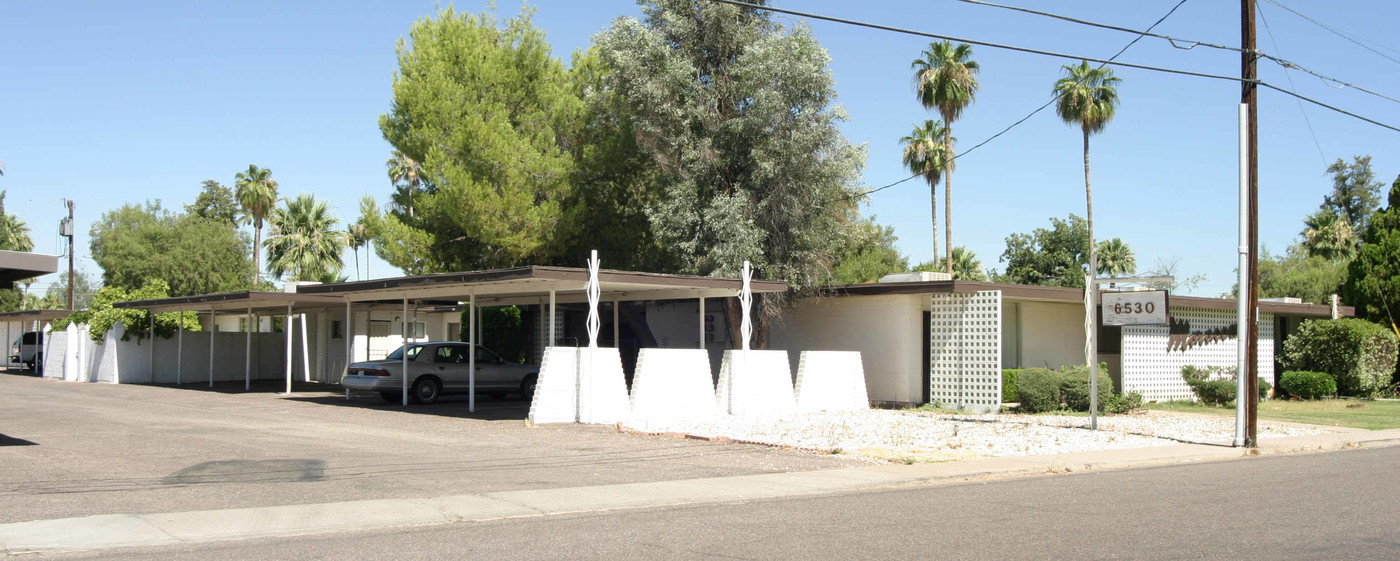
(337, 329)
(450, 354)
(485, 356)
(412, 353)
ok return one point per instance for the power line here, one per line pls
(1291, 86)
(1340, 33)
(1050, 53)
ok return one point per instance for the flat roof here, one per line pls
(32, 315)
(233, 301)
(1033, 293)
(19, 265)
(530, 285)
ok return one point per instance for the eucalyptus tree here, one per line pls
(928, 153)
(1088, 97)
(303, 243)
(257, 194)
(945, 78)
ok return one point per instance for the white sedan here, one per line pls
(440, 368)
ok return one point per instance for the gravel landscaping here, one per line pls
(929, 436)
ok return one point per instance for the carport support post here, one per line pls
(287, 328)
(305, 352)
(617, 342)
(152, 332)
(551, 320)
(471, 354)
(702, 322)
(180, 347)
(248, 351)
(403, 372)
(213, 330)
(349, 334)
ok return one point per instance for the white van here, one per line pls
(28, 349)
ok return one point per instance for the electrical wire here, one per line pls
(1052, 54)
(1294, 88)
(1340, 33)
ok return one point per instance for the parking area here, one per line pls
(80, 449)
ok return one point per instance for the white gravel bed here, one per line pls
(922, 436)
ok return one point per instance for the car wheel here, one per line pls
(392, 397)
(527, 387)
(426, 390)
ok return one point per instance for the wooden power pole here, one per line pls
(1249, 96)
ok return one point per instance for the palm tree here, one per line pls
(1116, 258)
(302, 242)
(357, 236)
(406, 174)
(1087, 97)
(966, 266)
(926, 155)
(1329, 235)
(946, 79)
(14, 233)
(257, 194)
(369, 216)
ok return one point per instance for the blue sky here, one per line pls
(108, 103)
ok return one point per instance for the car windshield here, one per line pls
(413, 351)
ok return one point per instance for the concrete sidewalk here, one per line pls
(127, 530)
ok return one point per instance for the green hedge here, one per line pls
(1217, 385)
(1074, 388)
(1041, 390)
(1038, 390)
(1308, 385)
(1008, 384)
(1358, 354)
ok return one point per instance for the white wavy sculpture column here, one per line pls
(746, 302)
(753, 383)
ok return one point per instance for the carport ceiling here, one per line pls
(235, 302)
(32, 315)
(532, 285)
(20, 265)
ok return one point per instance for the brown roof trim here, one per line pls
(33, 315)
(543, 273)
(1057, 293)
(255, 298)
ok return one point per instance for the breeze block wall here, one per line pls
(672, 384)
(965, 350)
(830, 381)
(1154, 354)
(755, 384)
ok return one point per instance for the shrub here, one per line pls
(1126, 403)
(1358, 354)
(1264, 387)
(1008, 384)
(1308, 385)
(1038, 390)
(1215, 392)
(1074, 387)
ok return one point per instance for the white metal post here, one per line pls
(348, 332)
(151, 330)
(180, 347)
(1091, 345)
(287, 328)
(305, 352)
(551, 320)
(213, 330)
(1242, 323)
(403, 374)
(617, 339)
(248, 350)
(702, 322)
(471, 356)
(9, 341)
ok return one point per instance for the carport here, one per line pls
(249, 304)
(35, 320)
(533, 285)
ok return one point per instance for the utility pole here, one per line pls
(1249, 97)
(66, 229)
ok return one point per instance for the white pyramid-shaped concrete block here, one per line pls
(574, 387)
(755, 384)
(831, 381)
(671, 385)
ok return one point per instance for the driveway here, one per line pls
(73, 449)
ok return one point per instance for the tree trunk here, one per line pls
(369, 254)
(257, 255)
(1089, 197)
(734, 315)
(933, 198)
(639, 326)
(948, 194)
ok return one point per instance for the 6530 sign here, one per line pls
(1135, 308)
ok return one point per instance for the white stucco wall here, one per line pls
(1051, 335)
(886, 330)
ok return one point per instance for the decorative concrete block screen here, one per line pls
(672, 384)
(965, 350)
(1154, 354)
(831, 381)
(575, 388)
(755, 384)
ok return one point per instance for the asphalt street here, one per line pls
(1336, 505)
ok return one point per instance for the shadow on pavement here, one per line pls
(12, 441)
(487, 409)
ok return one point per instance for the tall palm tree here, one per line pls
(406, 174)
(14, 233)
(303, 242)
(369, 216)
(1088, 97)
(926, 154)
(357, 236)
(1327, 233)
(257, 194)
(946, 79)
(1116, 258)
